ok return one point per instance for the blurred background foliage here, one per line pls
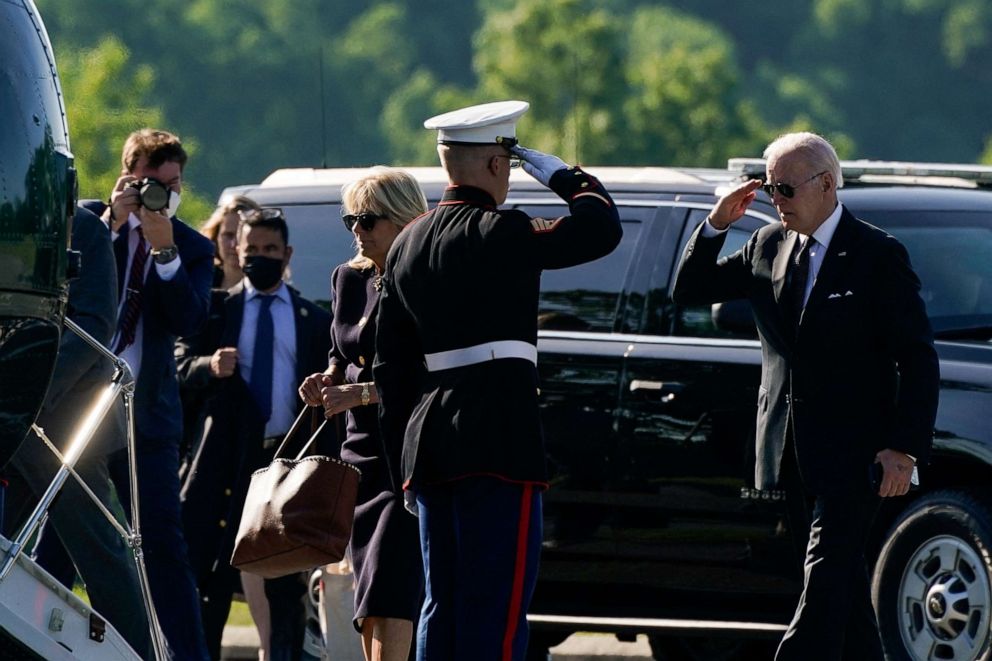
(252, 85)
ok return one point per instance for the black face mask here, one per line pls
(264, 273)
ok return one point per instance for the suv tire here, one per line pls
(932, 586)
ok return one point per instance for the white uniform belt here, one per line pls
(480, 353)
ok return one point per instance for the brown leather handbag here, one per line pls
(298, 512)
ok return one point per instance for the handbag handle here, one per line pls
(294, 431)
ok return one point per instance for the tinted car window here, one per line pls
(321, 242)
(697, 321)
(950, 253)
(585, 297)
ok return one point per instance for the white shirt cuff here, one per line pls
(709, 231)
(168, 271)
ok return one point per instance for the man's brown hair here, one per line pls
(157, 146)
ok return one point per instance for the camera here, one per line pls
(153, 194)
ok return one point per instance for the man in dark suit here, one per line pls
(849, 376)
(164, 270)
(459, 298)
(261, 341)
(98, 552)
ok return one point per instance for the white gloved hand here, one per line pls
(538, 164)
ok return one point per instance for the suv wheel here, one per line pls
(932, 588)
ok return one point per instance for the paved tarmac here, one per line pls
(242, 643)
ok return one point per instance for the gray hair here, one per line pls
(814, 149)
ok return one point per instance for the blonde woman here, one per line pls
(385, 545)
(222, 230)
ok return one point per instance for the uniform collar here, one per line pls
(460, 194)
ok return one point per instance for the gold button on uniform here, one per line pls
(227, 492)
(361, 361)
(362, 321)
(222, 523)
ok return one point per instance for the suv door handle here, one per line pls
(667, 389)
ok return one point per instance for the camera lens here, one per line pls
(153, 194)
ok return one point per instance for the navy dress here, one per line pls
(385, 542)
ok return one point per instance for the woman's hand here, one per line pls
(310, 389)
(340, 398)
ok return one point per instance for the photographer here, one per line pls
(164, 271)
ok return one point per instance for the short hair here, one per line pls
(211, 228)
(157, 146)
(389, 192)
(268, 217)
(814, 149)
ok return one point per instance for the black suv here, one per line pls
(652, 524)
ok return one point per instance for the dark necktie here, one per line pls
(798, 278)
(127, 325)
(261, 360)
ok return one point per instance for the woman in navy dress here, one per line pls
(385, 546)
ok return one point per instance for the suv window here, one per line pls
(322, 243)
(697, 321)
(950, 254)
(586, 297)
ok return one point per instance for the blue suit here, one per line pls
(169, 308)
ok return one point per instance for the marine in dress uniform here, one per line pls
(456, 373)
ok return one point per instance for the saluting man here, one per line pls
(456, 372)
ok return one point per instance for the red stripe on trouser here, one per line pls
(519, 574)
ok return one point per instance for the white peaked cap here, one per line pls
(488, 123)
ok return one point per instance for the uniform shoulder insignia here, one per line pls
(543, 225)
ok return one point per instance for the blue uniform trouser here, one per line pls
(481, 539)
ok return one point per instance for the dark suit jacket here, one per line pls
(230, 443)
(169, 308)
(860, 376)
(80, 372)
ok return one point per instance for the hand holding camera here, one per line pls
(148, 199)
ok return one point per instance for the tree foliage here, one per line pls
(256, 85)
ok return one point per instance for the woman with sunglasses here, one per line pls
(385, 546)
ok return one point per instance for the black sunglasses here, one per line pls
(366, 220)
(787, 190)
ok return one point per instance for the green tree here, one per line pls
(107, 97)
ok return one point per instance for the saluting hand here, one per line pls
(731, 207)
(310, 389)
(223, 362)
(897, 470)
(538, 164)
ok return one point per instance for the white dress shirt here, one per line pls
(132, 354)
(284, 397)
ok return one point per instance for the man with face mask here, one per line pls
(164, 270)
(262, 339)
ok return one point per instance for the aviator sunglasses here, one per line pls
(788, 190)
(366, 220)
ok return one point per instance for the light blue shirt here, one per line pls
(284, 397)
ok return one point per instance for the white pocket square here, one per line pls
(849, 293)
(834, 296)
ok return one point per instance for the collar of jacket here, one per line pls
(467, 195)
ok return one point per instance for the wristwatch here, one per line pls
(365, 394)
(164, 255)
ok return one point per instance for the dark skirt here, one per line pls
(385, 538)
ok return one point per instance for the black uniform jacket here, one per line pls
(861, 373)
(230, 440)
(464, 274)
